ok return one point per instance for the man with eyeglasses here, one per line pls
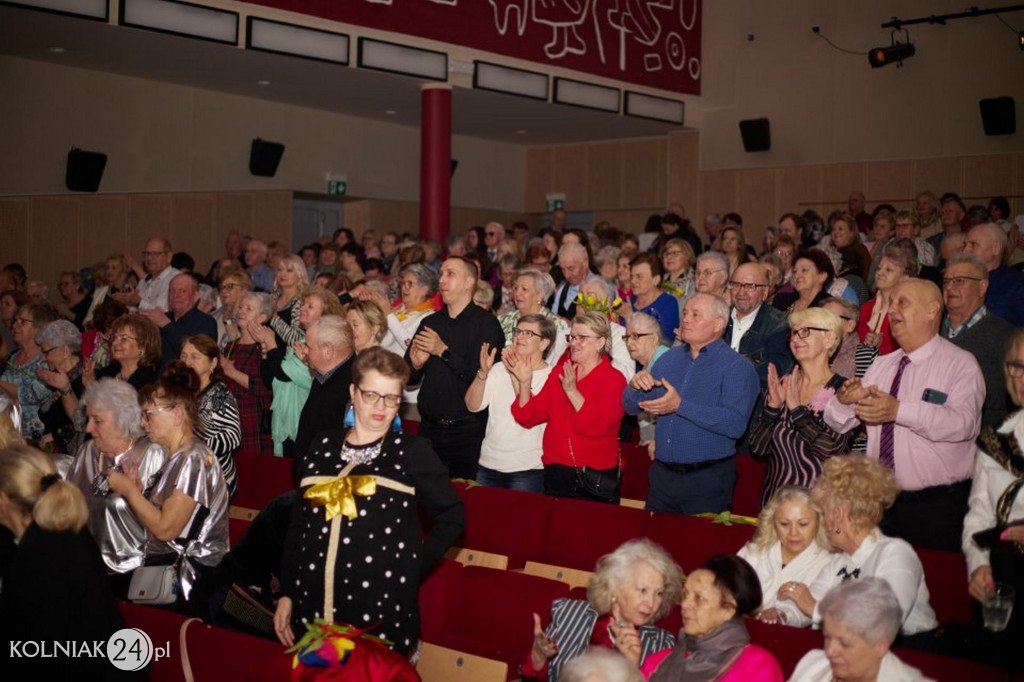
(703, 393)
(921, 405)
(329, 354)
(154, 275)
(493, 234)
(1005, 297)
(970, 326)
(445, 357)
(757, 332)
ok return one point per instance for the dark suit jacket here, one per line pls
(766, 341)
(324, 410)
(192, 323)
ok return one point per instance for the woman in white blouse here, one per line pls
(854, 492)
(790, 545)
(996, 499)
(510, 455)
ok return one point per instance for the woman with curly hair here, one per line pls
(853, 493)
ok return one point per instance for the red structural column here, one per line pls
(435, 161)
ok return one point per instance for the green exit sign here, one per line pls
(337, 188)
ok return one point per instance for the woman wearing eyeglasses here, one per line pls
(645, 273)
(185, 511)
(356, 517)
(582, 404)
(234, 285)
(646, 345)
(118, 443)
(135, 352)
(20, 379)
(510, 455)
(677, 256)
(791, 431)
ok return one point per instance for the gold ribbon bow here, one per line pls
(338, 496)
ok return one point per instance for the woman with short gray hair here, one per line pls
(632, 588)
(860, 620)
(60, 342)
(531, 289)
(242, 362)
(118, 444)
(417, 287)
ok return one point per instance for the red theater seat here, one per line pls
(437, 596)
(945, 573)
(939, 667)
(692, 540)
(636, 462)
(581, 532)
(787, 644)
(505, 522)
(746, 496)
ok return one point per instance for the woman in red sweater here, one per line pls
(582, 404)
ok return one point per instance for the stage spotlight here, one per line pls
(897, 52)
(1020, 40)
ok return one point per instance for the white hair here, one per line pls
(867, 606)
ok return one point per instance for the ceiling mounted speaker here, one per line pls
(998, 116)
(84, 170)
(756, 135)
(264, 157)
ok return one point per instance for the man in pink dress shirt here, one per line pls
(926, 431)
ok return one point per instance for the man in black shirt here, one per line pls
(445, 357)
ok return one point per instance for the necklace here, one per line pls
(362, 454)
(119, 455)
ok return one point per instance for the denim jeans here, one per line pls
(529, 481)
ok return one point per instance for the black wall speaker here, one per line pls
(84, 170)
(756, 135)
(998, 115)
(264, 157)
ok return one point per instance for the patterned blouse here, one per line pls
(32, 393)
(220, 429)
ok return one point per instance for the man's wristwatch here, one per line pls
(446, 354)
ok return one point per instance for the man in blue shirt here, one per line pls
(1005, 297)
(702, 392)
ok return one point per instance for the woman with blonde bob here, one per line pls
(861, 619)
(43, 601)
(369, 324)
(853, 493)
(791, 431)
(790, 545)
(632, 588)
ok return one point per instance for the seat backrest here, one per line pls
(437, 595)
(580, 532)
(507, 522)
(945, 574)
(787, 644)
(636, 463)
(746, 496)
(692, 540)
(939, 667)
(494, 608)
(272, 476)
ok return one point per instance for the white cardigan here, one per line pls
(772, 574)
(814, 667)
(878, 556)
(990, 480)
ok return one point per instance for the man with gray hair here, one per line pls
(256, 265)
(1005, 297)
(713, 226)
(969, 325)
(575, 264)
(703, 393)
(329, 354)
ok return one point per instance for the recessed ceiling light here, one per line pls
(520, 132)
(261, 82)
(56, 50)
(390, 112)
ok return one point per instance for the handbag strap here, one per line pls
(186, 665)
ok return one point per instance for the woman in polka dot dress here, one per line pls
(353, 553)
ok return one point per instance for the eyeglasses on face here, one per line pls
(518, 333)
(147, 254)
(23, 320)
(122, 337)
(636, 336)
(146, 414)
(371, 398)
(708, 273)
(573, 338)
(804, 332)
(745, 286)
(957, 282)
(229, 286)
(47, 351)
(491, 234)
(1015, 369)
(672, 253)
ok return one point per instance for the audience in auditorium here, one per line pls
(631, 589)
(182, 317)
(20, 378)
(645, 276)
(154, 276)
(255, 264)
(813, 274)
(702, 407)
(242, 362)
(60, 343)
(135, 352)
(1005, 296)
(756, 331)
(574, 266)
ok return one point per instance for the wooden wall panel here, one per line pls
(14, 229)
(1017, 204)
(193, 225)
(683, 178)
(985, 177)
(839, 181)
(570, 175)
(938, 175)
(645, 173)
(53, 242)
(540, 163)
(605, 179)
(104, 227)
(272, 216)
(755, 199)
(799, 188)
(890, 182)
(149, 215)
(232, 211)
(718, 192)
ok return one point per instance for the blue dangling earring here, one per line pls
(350, 417)
(396, 426)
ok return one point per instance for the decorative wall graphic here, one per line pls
(655, 43)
